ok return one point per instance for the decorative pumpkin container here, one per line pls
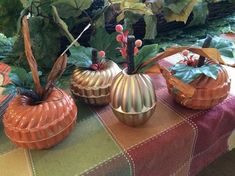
(208, 79)
(93, 86)
(133, 98)
(208, 91)
(39, 117)
(43, 125)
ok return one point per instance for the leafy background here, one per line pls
(56, 22)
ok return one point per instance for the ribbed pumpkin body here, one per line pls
(133, 98)
(93, 87)
(42, 125)
(209, 92)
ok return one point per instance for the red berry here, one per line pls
(101, 53)
(138, 43)
(185, 53)
(124, 65)
(119, 28)
(123, 52)
(119, 38)
(136, 50)
(94, 66)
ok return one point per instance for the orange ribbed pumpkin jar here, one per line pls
(133, 98)
(42, 125)
(208, 92)
(93, 87)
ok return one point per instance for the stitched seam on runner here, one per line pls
(32, 164)
(109, 132)
(102, 163)
(3, 154)
(158, 135)
(193, 125)
(197, 155)
(193, 116)
(28, 162)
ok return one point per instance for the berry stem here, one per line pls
(206, 44)
(94, 56)
(130, 54)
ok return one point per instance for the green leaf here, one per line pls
(145, 53)
(45, 41)
(187, 74)
(225, 47)
(21, 78)
(178, 11)
(106, 42)
(80, 56)
(8, 89)
(130, 19)
(200, 12)
(133, 9)
(71, 8)
(6, 45)
(26, 3)
(9, 14)
(176, 6)
(151, 27)
(63, 26)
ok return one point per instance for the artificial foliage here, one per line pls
(187, 73)
(51, 23)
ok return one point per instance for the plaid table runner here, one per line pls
(175, 141)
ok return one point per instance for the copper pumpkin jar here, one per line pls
(208, 92)
(43, 125)
(93, 87)
(42, 116)
(133, 98)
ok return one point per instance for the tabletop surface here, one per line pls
(175, 141)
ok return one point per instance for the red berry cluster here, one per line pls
(122, 39)
(188, 59)
(98, 66)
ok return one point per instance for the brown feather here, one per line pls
(30, 58)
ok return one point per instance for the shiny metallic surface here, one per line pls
(93, 87)
(42, 125)
(209, 92)
(133, 98)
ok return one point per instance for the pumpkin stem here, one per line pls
(56, 72)
(94, 56)
(30, 58)
(28, 93)
(206, 44)
(130, 54)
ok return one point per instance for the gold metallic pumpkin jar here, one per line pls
(93, 87)
(133, 98)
